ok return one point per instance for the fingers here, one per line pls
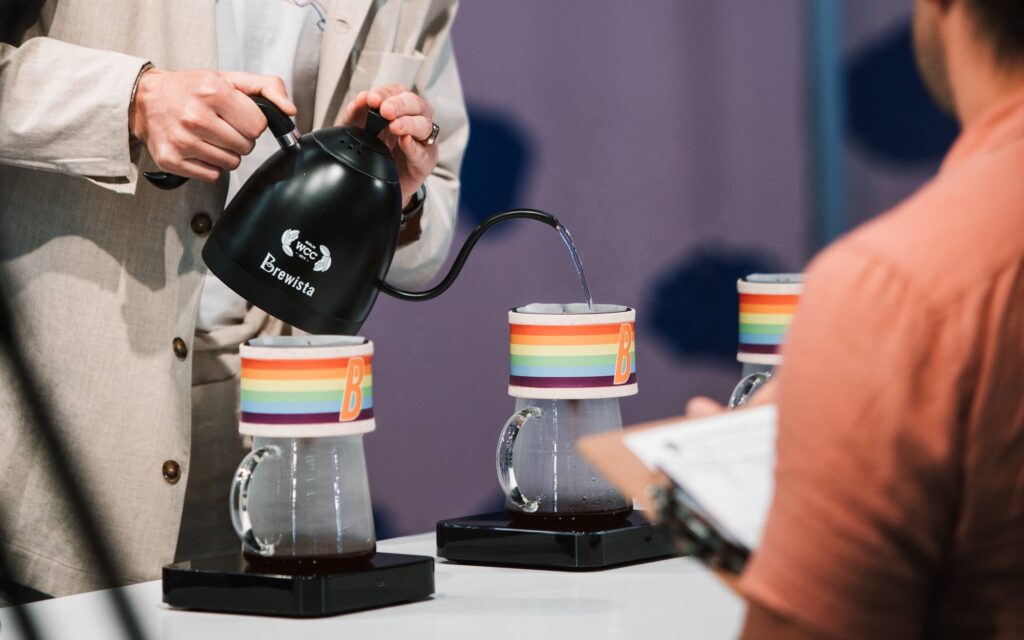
(190, 168)
(376, 97)
(198, 122)
(419, 127)
(238, 109)
(356, 107)
(702, 407)
(416, 164)
(355, 112)
(270, 87)
(411, 123)
(219, 133)
(242, 114)
(420, 158)
(766, 394)
(187, 155)
(405, 103)
(212, 155)
(409, 113)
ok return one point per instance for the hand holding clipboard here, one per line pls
(708, 479)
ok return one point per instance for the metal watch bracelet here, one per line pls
(415, 206)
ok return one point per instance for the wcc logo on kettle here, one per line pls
(294, 247)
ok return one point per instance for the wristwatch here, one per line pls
(415, 206)
(410, 229)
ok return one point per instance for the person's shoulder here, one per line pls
(953, 236)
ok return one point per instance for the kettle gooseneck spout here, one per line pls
(467, 247)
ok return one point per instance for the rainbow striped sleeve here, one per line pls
(766, 311)
(306, 392)
(570, 356)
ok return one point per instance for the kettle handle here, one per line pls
(277, 121)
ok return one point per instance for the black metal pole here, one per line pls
(62, 467)
(21, 614)
(15, 17)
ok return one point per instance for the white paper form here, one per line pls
(724, 462)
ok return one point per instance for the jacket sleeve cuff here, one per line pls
(416, 264)
(65, 109)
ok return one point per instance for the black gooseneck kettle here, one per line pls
(310, 236)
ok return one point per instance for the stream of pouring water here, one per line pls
(567, 239)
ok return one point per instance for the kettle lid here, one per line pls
(360, 148)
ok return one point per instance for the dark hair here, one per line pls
(1003, 22)
(16, 16)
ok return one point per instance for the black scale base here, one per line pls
(495, 539)
(228, 584)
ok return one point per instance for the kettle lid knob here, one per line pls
(375, 123)
(360, 148)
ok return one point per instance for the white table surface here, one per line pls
(675, 598)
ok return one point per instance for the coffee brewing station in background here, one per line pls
(283, 245)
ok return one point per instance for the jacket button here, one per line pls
(180, 348)
(172, 472)
(201, 224)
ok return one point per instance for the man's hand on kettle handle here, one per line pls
(198, 122)
(412, 122)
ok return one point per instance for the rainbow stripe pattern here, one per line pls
(766, 311)
(298, 392)
(572, 355)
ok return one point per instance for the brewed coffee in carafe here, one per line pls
(554, 484)
(300, 501)
(569, 365)
(309, 505)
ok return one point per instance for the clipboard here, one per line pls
(663, 500)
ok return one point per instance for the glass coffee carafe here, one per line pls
(300, 501)
(767, 304)
(570, 364)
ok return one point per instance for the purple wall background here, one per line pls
(876, 179)
(672, 139)
(655, 129)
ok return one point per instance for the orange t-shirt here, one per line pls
(899, 499)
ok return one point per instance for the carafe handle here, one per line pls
(746, 388)
(239, 500)
(504, 457)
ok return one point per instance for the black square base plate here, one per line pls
(494, 539)
(228, 584)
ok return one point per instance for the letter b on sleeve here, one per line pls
(352, 400)
(624, 359)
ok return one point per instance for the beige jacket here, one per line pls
(106, 270)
